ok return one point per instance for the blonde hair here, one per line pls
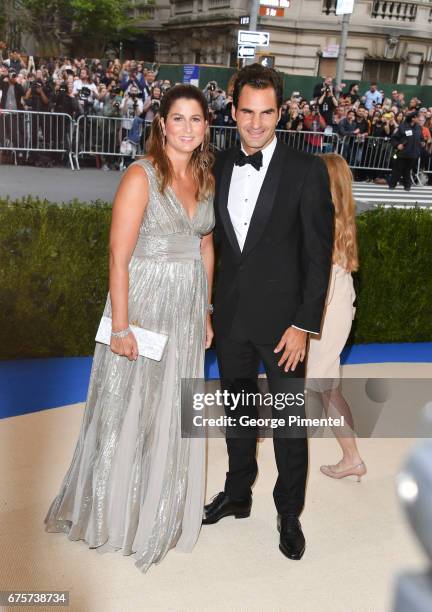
(345, 235)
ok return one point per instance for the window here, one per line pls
(380, 70)
(327, 67)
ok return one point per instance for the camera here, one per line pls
(36, 85)
(63, 88)
(212, 86)
(84, 93)
(155, 105)
(116, 104)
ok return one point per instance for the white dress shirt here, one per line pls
(246, 183)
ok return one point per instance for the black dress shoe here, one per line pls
(292, 541)
(222, 506)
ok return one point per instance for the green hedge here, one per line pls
(54, 277)
(394, 282)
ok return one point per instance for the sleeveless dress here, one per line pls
(134, 483)
(323, 361)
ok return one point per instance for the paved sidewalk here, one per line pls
(58, 184)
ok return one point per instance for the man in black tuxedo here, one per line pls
(274, 226)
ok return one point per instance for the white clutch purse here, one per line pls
(150, 344)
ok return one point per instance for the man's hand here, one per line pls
(400, 147)
(293, 342)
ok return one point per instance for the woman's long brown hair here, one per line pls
(345, 236)
(202, 159)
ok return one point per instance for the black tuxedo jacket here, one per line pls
(281, 276)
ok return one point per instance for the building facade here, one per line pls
(388, 41)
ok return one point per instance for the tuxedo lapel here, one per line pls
(225, 181)
(265, 199)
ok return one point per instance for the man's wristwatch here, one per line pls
(210, 309)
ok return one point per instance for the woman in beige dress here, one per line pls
(134, 483)
(323, 364)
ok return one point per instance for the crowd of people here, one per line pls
(365, 126)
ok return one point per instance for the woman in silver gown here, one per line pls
(134, 483)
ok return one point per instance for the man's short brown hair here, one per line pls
(258, 77)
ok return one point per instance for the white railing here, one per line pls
(397, 11)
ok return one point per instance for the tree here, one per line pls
(76, 26)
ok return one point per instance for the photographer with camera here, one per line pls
(327, 104)
(64, 102)
(109, 132)
(407, 140)
(38, 99)
(320, 88)
(152, 105)
(39, 94)
(132, 78)
(85, 90)
(110, 103)
(314, 122)
(131, 106)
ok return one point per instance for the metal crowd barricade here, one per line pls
(425, 163)
(224, 137)
(367, 153)
(311, 142)
(109, 137)
(36, 132)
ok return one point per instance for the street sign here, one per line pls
(245, 51)
(332, 50)
(276, 3)
(344, 7)
(244, 20)
(269, 11)
(248, 37)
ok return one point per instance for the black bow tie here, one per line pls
(255, 160)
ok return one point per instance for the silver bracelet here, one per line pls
(121, 334)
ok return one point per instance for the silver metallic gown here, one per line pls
(134, 483)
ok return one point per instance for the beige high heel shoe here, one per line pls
(358, 470)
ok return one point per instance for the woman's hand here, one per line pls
(126, 347)
(209, 332)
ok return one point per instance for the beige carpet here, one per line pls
(357, 537)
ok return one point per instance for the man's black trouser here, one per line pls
(402, 167)
(239, 359)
